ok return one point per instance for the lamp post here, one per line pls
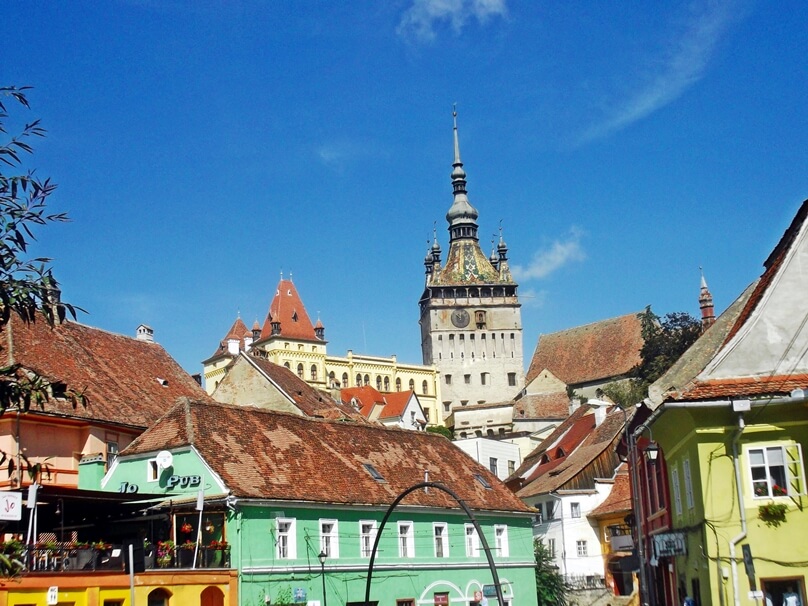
(322, 557)
(60, 511)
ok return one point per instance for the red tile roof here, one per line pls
(271, 455)
(601, 350)
(393, 403)
(237, 332)
(311, 401)
(288, 309)
(126, 380)
(542, 406)
(619, 499)
(780, 385)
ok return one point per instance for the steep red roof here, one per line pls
(288, 309)
(311, 401)
(125, 380)
(395, 403)
(601, 350)
(619, 499)
(542, 406)
(270, 455)
(237, 332)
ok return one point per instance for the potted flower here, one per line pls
(186, 554)
(773, 514)
(186, 528)
(165, 553)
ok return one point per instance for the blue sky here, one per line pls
(202, 147)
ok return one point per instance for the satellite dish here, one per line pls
(164, 459)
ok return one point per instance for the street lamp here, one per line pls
(322, 557)
(60, 511)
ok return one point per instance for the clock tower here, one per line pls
(471, 323)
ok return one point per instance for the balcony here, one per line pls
(107, 558)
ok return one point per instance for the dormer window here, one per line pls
(294, 316)
(374, 473)
(58, 390)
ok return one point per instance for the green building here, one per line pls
(295, 504)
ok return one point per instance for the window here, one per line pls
(367, 380)
(441, 534)
(539, 517)
(345, 379)
(285, 539)
(158, 597)
(472, 541)
(374, 473)
(467, 379)
(112, 453)
(152, 471)
(398, 384)
(511, 379)
(406, 540)
(425, 388)
(367, 534)
(688, 484)
(551, 547)
(300, 370)
(447, 406)
(550, 508)
(581, 549)
(387, 384)
(426, 414)
(379, 383)
(677, 491)
(776, 471)
(448, 379)
(412, 384)
(359, 380)
(492, 465)
(479, 319)
(329, 538)
(483, 378)
(575, 510)
(313, 372)
(511, 467)
(501, 540)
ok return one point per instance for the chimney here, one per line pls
(144, 333)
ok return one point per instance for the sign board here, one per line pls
(669, 544)
(441, 599)
(748, 562)
(299, 595)
(622, 542)
(53, 595)
(11, 506)
(489, 591)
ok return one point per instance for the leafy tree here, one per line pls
(440, 429)
(551, 589)
(664, 342)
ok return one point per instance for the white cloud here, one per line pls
(532, 298)
(548, 260)
(340, 154)
(419, 20)
(685, 63)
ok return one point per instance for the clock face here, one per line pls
(460, 318)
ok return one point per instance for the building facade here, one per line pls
(470, 315)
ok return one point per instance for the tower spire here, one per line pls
(706, 304)
(462, 216)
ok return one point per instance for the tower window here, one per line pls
(448, 379)
(479, 318)
(467, 379)
(300, 370)
(425, 388)
(512, 379)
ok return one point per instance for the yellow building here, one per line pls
(288, 338)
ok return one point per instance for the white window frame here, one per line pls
(442, 538)
(472, 541)
(366, 539)
(551, 547)
(501, 540)
(689, 500)
(493, 465)
(575, 509)
(285, 540)
(792, 462)
(329, 540)
(677, 491)
(406, 539)
(581, 548)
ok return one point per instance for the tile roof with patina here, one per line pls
(263, 454)
(598, 351)
(126, 380)
(288, 309)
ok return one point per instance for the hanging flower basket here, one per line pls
(772, 514)
(186, 528)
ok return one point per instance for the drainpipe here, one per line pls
(742, 535)
(563, 538)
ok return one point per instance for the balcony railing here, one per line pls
(113, 557)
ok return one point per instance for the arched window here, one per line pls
(398, 384)
(300, 370)
(345, 379)
(286, 364)
(359, 380)
(367, 379)
(387, 384)
(211, 596)
(159, 597)
(313, 372)
(379, 383)
(424, 388)
(412, 384)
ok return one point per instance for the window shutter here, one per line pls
(796, 472)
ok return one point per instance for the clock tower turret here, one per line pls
(471, 323)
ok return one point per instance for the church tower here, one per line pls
(471, 323)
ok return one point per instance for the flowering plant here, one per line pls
(165, 552)
(772, 514)
(186, 528)
(779, 491)
(214, 544)
(188, 545)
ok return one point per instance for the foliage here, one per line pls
(550, 586)
(11, 558)
(165, 553)
(773, 514)
(439, 429)
(27, 286)
(664, 342)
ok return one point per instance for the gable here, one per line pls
(245, 385)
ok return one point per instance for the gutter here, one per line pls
(741, 509)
